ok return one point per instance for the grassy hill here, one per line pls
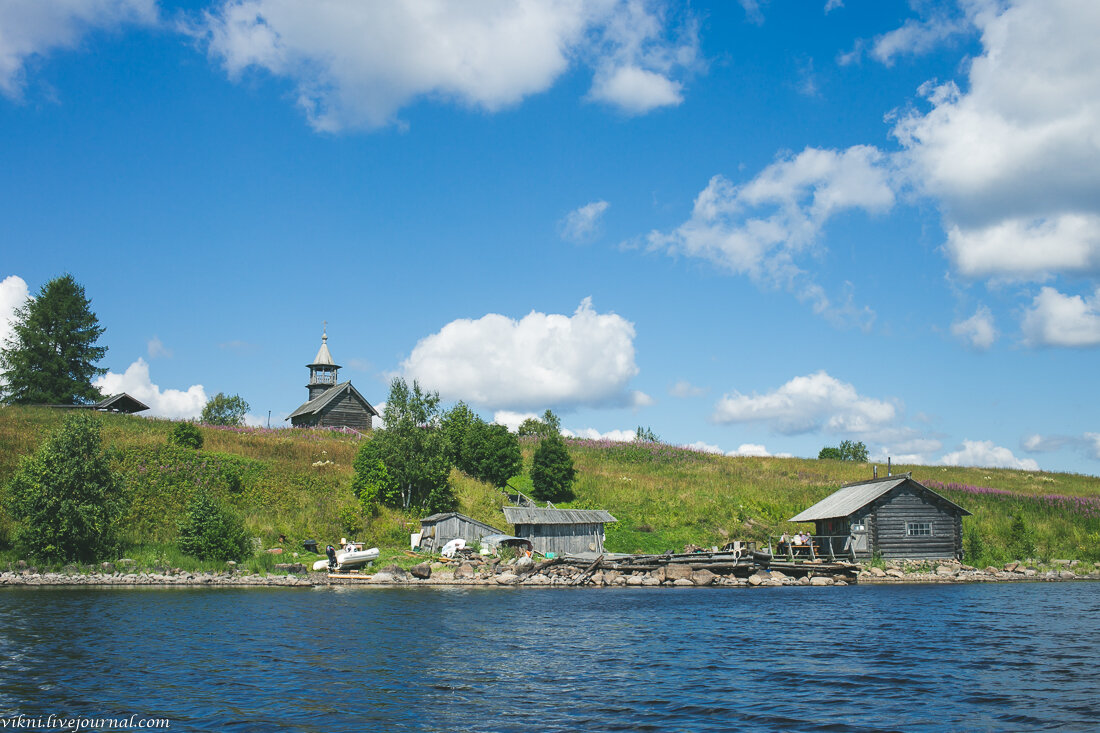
(297, 483)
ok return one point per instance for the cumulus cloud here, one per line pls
(1094, 444)
(357, 64)
(618, 436)
(1013, 158)
(1089, 443)
(581, 224)
(172, 403)
(761, 228)
(34, 28)
(987, 455)
(814, 402)
(756, 450)
(831, 5)
(542, 360)
(13, 294)
(977, 331)
(512, 420)
(1055, 319)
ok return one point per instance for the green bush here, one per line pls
(65, 498)
(185, 435)
(210, 531)
(552, 472)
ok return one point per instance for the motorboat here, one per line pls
(349, 558)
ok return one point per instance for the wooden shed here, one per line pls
(561, 531)
(332, 405)
(439, 529)
(893, 516)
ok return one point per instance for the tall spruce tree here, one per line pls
(52, 357)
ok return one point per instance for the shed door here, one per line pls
(859, 535)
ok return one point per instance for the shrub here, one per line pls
(552, 472)
(223, 410)
(210, 531)
(185, 435)
(371, 483)
(1021, 539)
(66, 498)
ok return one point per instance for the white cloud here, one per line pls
(357, 64)
(1014, 160)
(814, 402)
(684, 389)
(761, 228)
(157, 349)
(1094, 444)
(580, 224)
(1055, 319)
(987, 455)
(542, 360)
(756, 450)
(704, 447)
(512, 420)
(977, 331)
(916, 37)
(136, 382)
(618, 436)
(1036, 443)
(636, 90)
(831, 5)
(752, 11)
(34, 28)
(13, 294)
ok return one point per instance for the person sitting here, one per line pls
(784, 543)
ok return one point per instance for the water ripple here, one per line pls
(854, 659)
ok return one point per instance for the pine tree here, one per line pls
(52, 357)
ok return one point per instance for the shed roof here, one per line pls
(853, 497)
(533, 515)
(121, 402)
(436, 518)
(329, 395)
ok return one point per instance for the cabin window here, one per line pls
(859, 526)
(918, 529)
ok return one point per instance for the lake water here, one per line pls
(974, 657)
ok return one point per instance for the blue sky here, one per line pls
(755, 227)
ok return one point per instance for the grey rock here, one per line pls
(820, 580)
(677, 572)
(524, 562)
(650, 581)
(878, 572)
(895, 573)
(507, 579)
(107, 567)
(465, 570)
(423, 571)
(290, 567)
(703, 577)
(1067, 575)
(634, 580)
(683, 582)
(382, 577)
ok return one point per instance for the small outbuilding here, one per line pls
(895, 517)
(120, 403)
(561, 531)
(439, 529)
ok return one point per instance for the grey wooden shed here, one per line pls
(895, 516)
(439, 529)
(561, 531)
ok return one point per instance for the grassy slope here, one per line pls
(664, 497)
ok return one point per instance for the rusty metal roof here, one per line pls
(532, 515)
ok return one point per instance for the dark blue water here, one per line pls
(990, 657)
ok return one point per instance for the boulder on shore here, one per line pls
(423, 571)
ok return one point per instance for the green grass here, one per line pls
(297, 483)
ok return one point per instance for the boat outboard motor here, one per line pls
(331, 552)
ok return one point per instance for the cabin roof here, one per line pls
(533, 515)
(121, 402)
(328, 396)
(324, 357)
(853, 497)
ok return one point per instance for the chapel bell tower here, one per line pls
(323, 370)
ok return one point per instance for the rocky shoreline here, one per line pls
(529, 574)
